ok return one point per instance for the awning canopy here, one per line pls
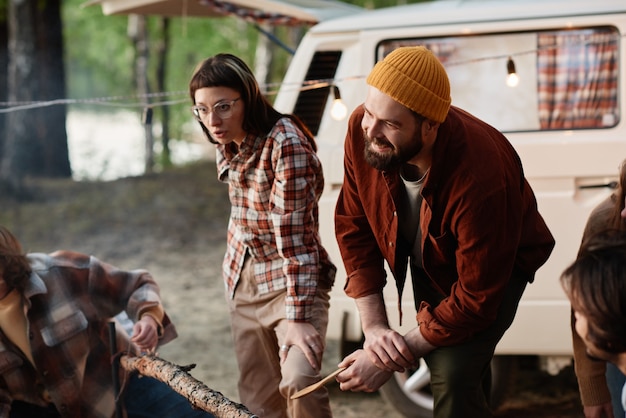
(292, 12)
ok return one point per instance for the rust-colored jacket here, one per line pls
(479, 220)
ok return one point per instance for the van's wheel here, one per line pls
(409, 392)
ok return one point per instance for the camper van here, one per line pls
(549, 74)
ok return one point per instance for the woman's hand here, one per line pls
(305, 336)
(145, 334)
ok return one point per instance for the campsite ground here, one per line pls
(174, 224)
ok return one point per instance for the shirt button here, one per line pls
(390, 243)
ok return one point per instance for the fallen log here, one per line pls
(197, 393)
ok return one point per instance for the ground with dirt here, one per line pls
(174, 224)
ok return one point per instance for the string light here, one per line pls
(100, 101)
(299, 86)
(338, 110)
(512, 79)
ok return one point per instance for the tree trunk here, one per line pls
(4, 64)
(20, 145)
(176, 377)
(34, 140)
(138, 32)
(162, 50)
(51, 132)
(263, 58)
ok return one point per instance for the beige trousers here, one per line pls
(258, 327)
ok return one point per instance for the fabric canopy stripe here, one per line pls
(275, 12)
(254, 16)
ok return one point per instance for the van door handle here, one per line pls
(610, 185)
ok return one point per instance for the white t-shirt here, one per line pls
(409, 217)
(624, 399)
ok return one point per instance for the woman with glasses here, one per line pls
(277, 273)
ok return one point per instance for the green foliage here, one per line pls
(3, 11)
(99, 54)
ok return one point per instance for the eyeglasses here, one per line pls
(222, 110)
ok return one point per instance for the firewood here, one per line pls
(199, 395)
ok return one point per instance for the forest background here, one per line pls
(57, 56)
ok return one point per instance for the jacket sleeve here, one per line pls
(298, 181)
(135, 291)
(361, 255)
(590, 373)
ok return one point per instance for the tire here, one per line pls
(409, 393)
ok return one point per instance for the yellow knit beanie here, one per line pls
(414, 77)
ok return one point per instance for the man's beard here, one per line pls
(390, 160)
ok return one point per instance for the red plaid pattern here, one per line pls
(274, 185)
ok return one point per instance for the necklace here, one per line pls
(424, 176)
(408, 178)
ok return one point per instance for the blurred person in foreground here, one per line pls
(55, 352)
(600, 383)
(596, 286)
(429, 185)
(277, 274)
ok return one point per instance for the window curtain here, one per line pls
(577, 74)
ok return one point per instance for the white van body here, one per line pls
(571, 169)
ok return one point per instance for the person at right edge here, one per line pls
(600, 383)
(429, 187)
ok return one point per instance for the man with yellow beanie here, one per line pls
(429, 187)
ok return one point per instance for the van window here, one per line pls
(312, 100)
(567, 79)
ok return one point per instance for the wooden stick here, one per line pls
(176, 377)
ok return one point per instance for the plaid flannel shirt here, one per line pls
(70, 299)
(274, 185)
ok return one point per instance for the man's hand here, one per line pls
(388, 350)
(361, 374)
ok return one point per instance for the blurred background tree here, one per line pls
(33, 143)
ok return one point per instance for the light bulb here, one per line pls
(338, 110)
(512, 79)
